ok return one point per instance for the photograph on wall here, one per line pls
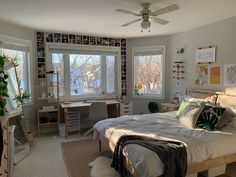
(111, 41)
(49, 37)
(78, 39)
(230, 75)
(57, 37)
(72, 39)
(86, 40)
(201, 75)
(64, 38)
(117, 42)
(105, 41)
(99, 40)
(92, 40)
(215, 75)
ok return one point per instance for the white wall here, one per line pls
(222, 34)
(12, 30)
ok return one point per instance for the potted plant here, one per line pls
(3, 85)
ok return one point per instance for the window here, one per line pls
(21, 53)
(148, 71)
(86, 73)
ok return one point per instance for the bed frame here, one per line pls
(216, 164)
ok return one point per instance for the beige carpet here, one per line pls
(77, 155)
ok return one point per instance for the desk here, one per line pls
(67, 105)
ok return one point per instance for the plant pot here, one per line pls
(30, 138)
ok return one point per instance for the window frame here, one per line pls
(134, 70)
(29, 61)
(68, 96)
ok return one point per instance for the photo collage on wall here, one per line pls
(43, 37)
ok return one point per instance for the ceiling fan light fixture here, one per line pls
(145, 25)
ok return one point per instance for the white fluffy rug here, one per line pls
(101, 167)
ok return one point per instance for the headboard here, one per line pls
(225, 99)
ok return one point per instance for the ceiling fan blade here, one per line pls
(165, 10)
(160, 21)
(129, 23)
(128, 12)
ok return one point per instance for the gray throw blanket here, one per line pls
(173, 154)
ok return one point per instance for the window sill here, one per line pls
(148, 97)
(88, 98)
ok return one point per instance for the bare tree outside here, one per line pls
(58, 66)
(110, 74)
(149, 69)
(85, 72)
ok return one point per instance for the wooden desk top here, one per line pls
(74, 104)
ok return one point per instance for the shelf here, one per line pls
(49, 123)
(47, 110)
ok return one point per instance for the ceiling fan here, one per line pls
(146, 14)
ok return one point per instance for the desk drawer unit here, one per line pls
(73, 121)
(126, 108)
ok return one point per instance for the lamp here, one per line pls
(145, 24)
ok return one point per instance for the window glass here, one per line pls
(22, 69)
(58, 66)
(148, 72)
(85, 74)
(110, 74)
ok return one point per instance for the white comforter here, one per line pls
(200, 144)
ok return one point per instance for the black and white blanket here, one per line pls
(172, 154)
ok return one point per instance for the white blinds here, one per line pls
(148, 52)
(83, 50)
(10, 46)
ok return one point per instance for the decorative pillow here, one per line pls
(209, 117)
(227, 101)
(203, 97)
(188, 117)
(182, 106)
(225, 119)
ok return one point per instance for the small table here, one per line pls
(168, 107)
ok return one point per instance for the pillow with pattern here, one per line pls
(209, 117)
(189, 115)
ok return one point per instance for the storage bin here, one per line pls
(61, 128)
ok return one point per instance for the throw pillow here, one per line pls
(225, 119)
(182, 106)
(209, 117)
(188, 117)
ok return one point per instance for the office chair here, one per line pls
(97, 112)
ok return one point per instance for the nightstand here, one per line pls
(168, 107)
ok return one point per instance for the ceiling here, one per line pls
(100, 18)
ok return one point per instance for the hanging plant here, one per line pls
(3, 85)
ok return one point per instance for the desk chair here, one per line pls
(97, 112)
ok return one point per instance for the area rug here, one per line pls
(78, 154)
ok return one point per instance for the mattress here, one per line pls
(200, 144)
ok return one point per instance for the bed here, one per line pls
(206, 150)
